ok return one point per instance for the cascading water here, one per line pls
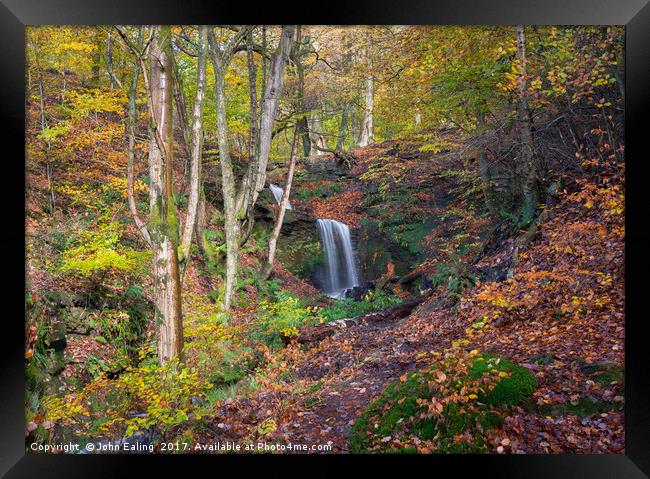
(340, 266)
(277, 193)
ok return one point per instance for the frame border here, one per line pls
(635, 14)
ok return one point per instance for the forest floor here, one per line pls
(560, 315)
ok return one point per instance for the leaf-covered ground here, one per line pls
(560, 315)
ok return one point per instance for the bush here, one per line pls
(349, 308)
(454, 276)
(149, 397)
(281, 318)
(410, 235)
(98, 250)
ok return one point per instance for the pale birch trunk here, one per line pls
(163, 224)
(367, 125)
(283, 205)
(196, 149)
(245, 192)
(221, 56)
(231, 226)
(272, 94)
(318, 142)
(343, 128)
(284, 201)
(130, 174)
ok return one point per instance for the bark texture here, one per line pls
(196, 150)
(283, 205)
(528, 170)
(367, 124)
(272, 94)
(163, 223)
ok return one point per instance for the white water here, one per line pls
(340, 266)
(277, 193)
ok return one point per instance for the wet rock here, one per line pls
(57, 336)
(56, 299)
(76, 320)
(600, 366)
(55, 364)
(358, 292)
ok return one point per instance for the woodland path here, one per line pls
(349, 369)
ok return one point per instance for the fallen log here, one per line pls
(314, 334)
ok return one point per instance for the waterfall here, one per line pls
(340, 267)
(277, 193)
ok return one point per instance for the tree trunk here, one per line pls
(527, 161)
(484, 169)
(284, 201)
(245, 193)
(366, 135)
(367, 125)
(306, 141)
(318, 141)
(163, 222)
(343, 129)
(201, 240)
(221, 56)
(231, 226)
(130, 173)
(283, 206)
(272, 94)
(196, 151)
(115, 82)
(181, 118)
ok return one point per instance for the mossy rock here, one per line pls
(397, 410)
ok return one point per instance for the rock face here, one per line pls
(62, 322)
(323, 165)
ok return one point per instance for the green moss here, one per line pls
(155, 220)
(313, 398)
(397, 410)
(615, 374)
(172, 223)
(509, 391)
(410, 391)
(584, 407)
